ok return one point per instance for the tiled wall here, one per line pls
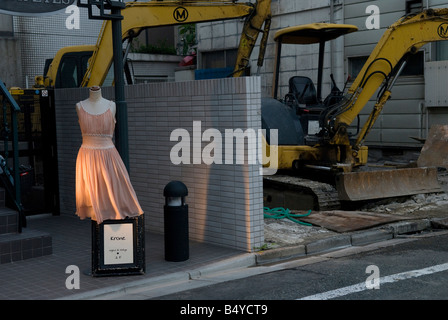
(225, 200)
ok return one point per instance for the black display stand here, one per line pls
(118, 247)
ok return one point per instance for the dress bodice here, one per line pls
(97, 129)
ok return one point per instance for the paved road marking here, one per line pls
(387, 279)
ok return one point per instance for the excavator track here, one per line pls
(297, 193)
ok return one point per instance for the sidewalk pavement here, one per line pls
(44, 278)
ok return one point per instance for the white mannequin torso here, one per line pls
(96, 104)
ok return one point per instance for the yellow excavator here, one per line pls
(314, 132)
(84, 66)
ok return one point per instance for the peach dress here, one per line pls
(103, 187)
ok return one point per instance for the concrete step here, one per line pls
(15, 246)
(26, 245)
(9, 220)
(2, 198)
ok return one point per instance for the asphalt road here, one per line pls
(414, 270)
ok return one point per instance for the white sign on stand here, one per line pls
(118, 244)
(118, 247)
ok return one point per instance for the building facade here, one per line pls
(419, 98)
(418, 101)
(30, 40)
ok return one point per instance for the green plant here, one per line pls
(264, 247)
(160, 48)
(187, 33)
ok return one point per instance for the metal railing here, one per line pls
(11, 180)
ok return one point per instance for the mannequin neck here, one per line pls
(95, 104)
(95, 94)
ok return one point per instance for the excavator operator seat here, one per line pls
(303, 90)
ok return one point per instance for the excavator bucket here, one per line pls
(377, 184)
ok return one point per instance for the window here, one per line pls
(441, 50)
(72, 68)
(84, 65)
(68, 73)
(219, 59)
(414, 67)
(414, 6)
(355, 65)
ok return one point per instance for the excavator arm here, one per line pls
(141, 15)
(259, 18)
(403, 38)
(381, 70)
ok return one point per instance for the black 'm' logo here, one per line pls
(443, 30)
(180, 14)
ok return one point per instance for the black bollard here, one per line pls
(176, 222)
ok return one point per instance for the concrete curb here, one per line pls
(241, 261)
(283, 253)
(244, 260)
(358, 238)
(371, 236)
(328, 244)
(123, 288)
(404, 227)
(439, 223)
(355, 239)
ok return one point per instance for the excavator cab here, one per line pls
(319, 33)
(304, 97)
